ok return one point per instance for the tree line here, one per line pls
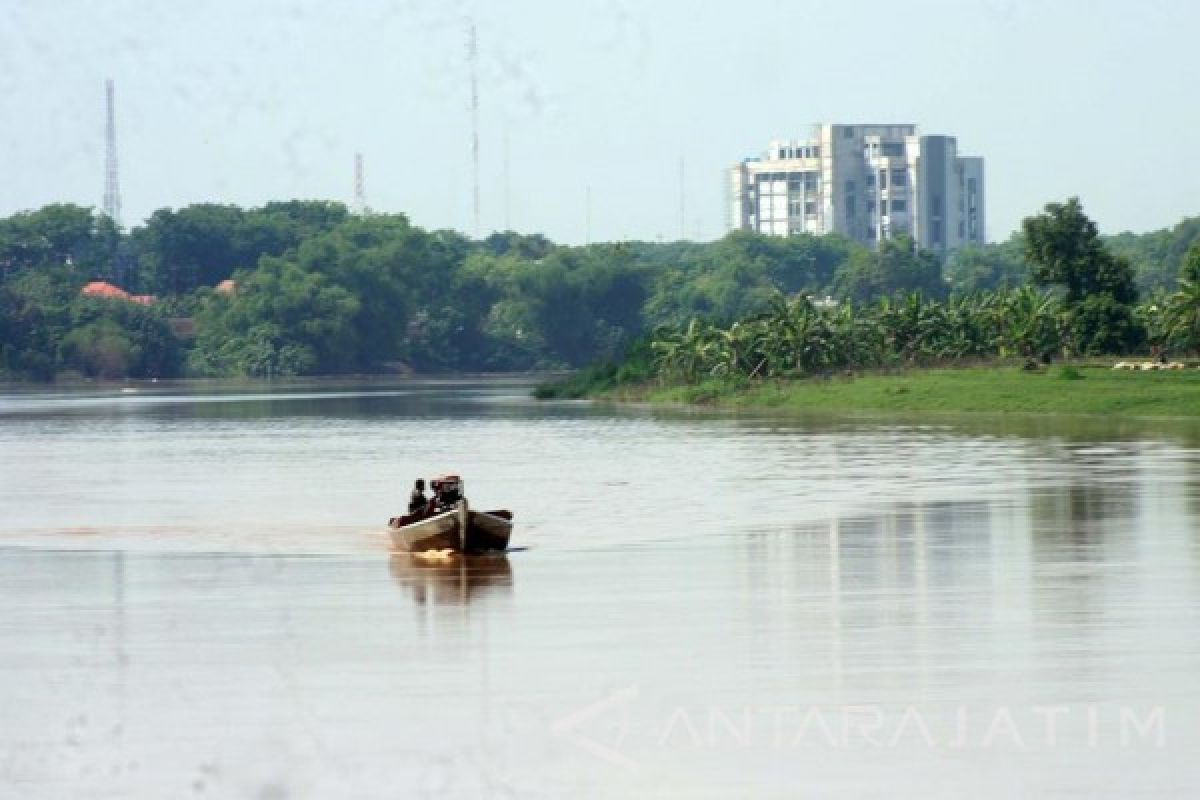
(1082, 300)
(320, 291)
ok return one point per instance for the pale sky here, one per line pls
(246, 102)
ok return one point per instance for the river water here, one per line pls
(198, 600)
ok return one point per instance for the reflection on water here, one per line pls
(454, 581)
(696, 591)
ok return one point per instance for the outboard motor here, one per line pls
(448, 490)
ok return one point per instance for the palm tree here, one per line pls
(911, 325)
(1029, 323)
(1182, 316)
(734, 349)
(796, 335)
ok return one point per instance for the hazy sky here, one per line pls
(246, 102)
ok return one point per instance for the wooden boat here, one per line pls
(488, 530)
(442, 531)
(458, 529)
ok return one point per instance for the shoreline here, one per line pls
(293, 380)
(997, 389)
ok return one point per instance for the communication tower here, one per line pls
(682, 202)
(112, 191)
(360, 195)
(473, 62)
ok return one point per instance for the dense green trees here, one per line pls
(1064, 249)
(47, 327)
(114, 339)
(1182, 314)
(796, 337)
(199, 245)
(59, 235)
(1158, 256)
(321, 291)
(996, 266)
(1090, 309)
(897, 265)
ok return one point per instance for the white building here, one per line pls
(866, 182)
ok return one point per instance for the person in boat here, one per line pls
(447, 492)
(416, 499)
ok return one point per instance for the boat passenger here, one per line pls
(417, 500)
(447, 492)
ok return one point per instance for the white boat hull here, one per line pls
(458, 529)
(439, 532)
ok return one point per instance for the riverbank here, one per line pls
(996, 389)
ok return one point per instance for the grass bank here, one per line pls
(1004, 389)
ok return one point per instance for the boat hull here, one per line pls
(484, 531)
(439, 532)
(488, 530)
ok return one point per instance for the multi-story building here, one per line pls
(866, 182)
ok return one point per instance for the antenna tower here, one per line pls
(682, 203)
(587, 214)
(112, 191)
(360, 195)
(473, 61)
(507, 186)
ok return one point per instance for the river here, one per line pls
(199, 600)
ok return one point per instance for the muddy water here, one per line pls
(198, 600)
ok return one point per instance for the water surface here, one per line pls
(199, 600)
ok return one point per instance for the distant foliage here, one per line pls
(1158, 257)
(1181, 314)
(1065, 250)
(1087, 308)
(994, 266)
(317, 290)
(795, 337)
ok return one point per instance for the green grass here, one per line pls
(1065, 390)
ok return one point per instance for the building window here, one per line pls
(810, 208)
(893, 149)
(883, 179)
(937, 205)
(848, 133)
(810, 181)
(971, 186)
(899, 177)
(870, 206)
(883, 208)
(898, 205)
(962, 230)
(849, 187)
(850, 207)
(870, 180)
(936, 229)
